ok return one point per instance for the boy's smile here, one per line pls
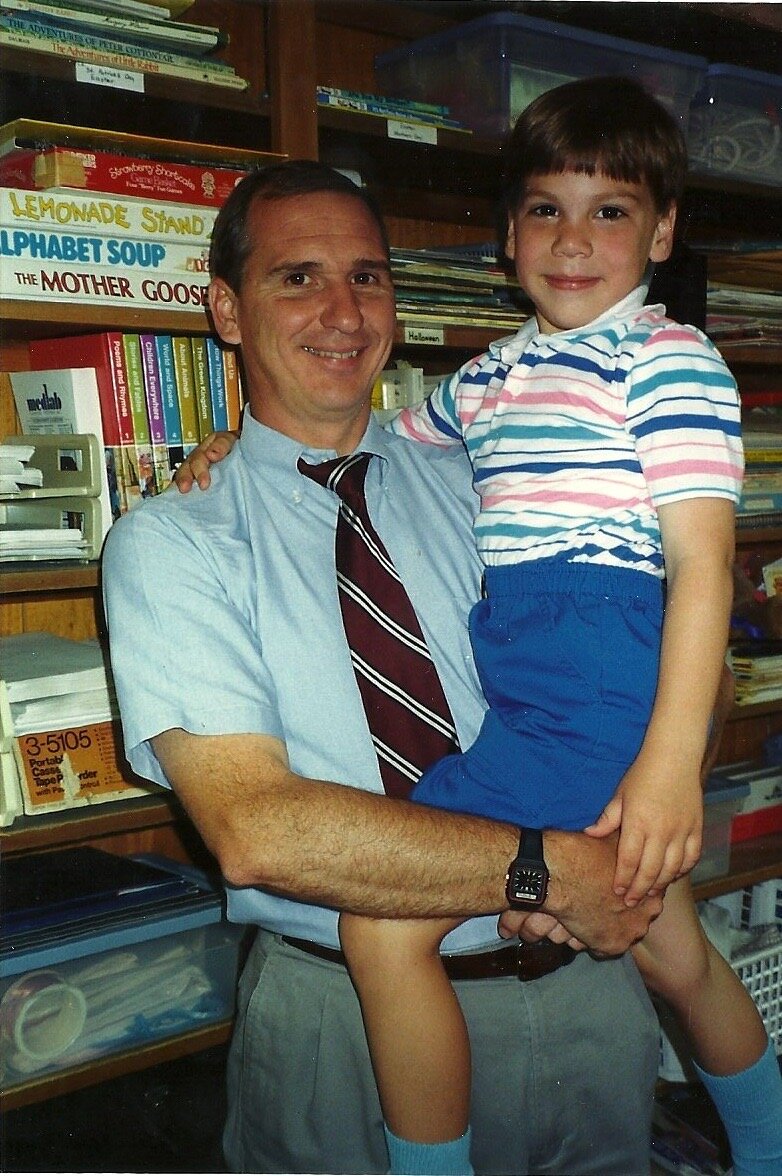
(581, 243)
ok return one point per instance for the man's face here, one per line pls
(581, 243)
(315, 316)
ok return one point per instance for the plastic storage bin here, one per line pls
(722, 800)
(489, 69)
(736, 125)
(84, 996)
(760, 971)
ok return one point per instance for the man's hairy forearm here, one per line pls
(331, 845)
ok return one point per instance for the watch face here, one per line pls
(528, 882)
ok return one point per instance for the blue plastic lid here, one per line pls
(738, 73)
(536, 24)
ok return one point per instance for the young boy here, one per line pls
(606, 452)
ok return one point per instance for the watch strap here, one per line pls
(531, 844)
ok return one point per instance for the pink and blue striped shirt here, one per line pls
(577, 438)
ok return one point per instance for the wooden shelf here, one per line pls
(90, 822)
(99, 1070)
(750, 862)
(25, 578)
(37, 319)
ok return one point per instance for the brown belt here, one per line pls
(526, 961)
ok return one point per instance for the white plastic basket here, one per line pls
(760, 973)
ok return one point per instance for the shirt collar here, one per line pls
(509, 349)
(277, 454)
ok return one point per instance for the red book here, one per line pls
(102, 351)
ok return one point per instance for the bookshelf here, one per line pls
(441, 194)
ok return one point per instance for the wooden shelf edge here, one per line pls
(82, 824)
(34, 319)
(47, 576)
(114, 1065)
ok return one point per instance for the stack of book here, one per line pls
(461, 286)
(97, 219)
(744, 294)
(757, 669)
(119, 35)
(425, 114)
(149, 398)
(760, 504)
(60, 745)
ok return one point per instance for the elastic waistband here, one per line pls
(561, 575)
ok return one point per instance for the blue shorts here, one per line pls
(568, 656)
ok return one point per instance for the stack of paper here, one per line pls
(20, 543)
(15, 473)
(53, 682)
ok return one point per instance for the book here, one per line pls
(38, 42)
(233, 388)
(405, 103)
(137, 398)
(203, 396)
(67, 400)
(172, 420)
(195, 39)
(102, 351)
(154, 399)
(120, 255)
(214, 359)
(389, 108)
(186, 394)
(92, 285)
(106, 215)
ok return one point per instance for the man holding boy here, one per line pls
(268, 747)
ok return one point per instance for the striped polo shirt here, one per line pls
(577, 438)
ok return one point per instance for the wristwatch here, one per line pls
(526, 882)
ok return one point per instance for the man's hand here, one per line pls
(532, 926)
(581, 894)
(195, 467)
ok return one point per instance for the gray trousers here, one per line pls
(563, 1071)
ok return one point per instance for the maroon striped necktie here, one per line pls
(406, 709)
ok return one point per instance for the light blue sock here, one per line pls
(750, 1106)
(429, 1159)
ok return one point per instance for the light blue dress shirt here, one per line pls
(224, 618)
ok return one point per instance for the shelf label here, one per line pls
(411, 132)
(105, 75)
(430, 336)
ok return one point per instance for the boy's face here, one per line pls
(581, 243)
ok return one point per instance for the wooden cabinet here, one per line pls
(443, 194)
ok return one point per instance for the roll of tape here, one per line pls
(42, 1015)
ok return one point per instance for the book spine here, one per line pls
(104, 216)
(104, 172)
(185, 383)
(194, 38)
(97, 286)
(201, 382)
(214, 359)
(157, 431)
(13, 38)
(137, 395)
(233, 389)
(172, 421)
(97, 252)
(75, 40)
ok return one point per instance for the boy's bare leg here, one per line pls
(714, 1009)
(417, 1037)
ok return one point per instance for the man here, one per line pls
(268, 748)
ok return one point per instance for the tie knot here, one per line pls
(344, 475)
